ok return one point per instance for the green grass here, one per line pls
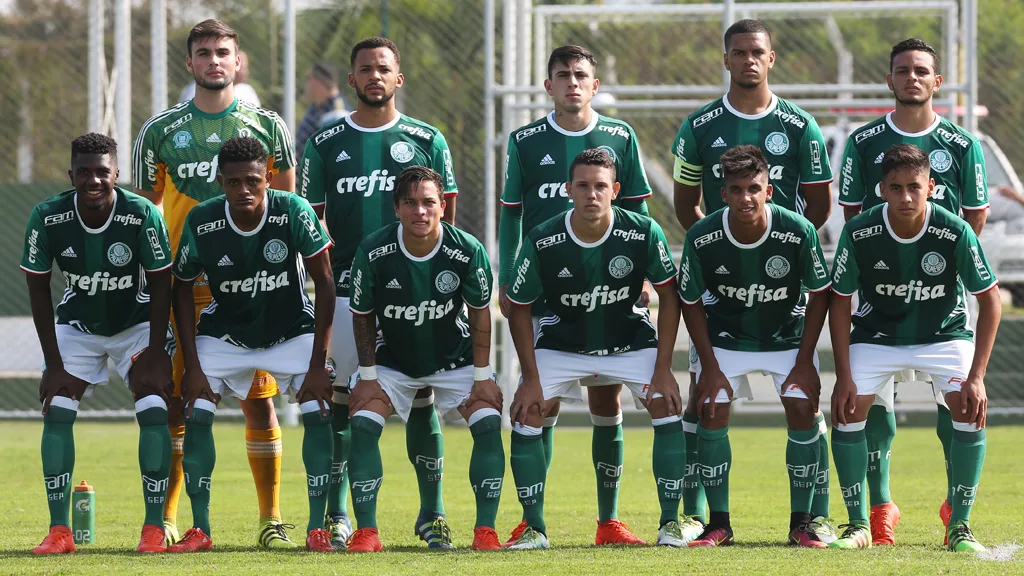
(107, 459)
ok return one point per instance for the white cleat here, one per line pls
(822, 528)
(531, 540)
(671, 535)
(691, 528)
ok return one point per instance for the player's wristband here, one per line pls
(482, 373)
(368, 372)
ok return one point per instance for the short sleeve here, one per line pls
(155, 247)
(284, 148)
(361, 293)
(309, 235)
(851, 180)
(148, 170)
(845, 271)
(972, 265)
(688, 168)
(974, 179)
(633, 178)
(187, 263)
(660, 268)
(690, 278)
(478, 283)
(526, 287)
(815, 273)
(311, 185)
(36, 259)
(512, 193)
(814, 165)
(441, 160)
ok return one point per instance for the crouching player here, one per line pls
(911, 260)
(255, 245)
(113, 252)
(588, 265)
(409, 282)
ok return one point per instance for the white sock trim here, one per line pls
(689, 427)
(204, 404)
(965, 426)
(665, 420)
(805, 442)
(309, 406)
(151, 401)
(481, 414)
(65, 403)
(525, 430)
(550, 421)
(606, 420)
(423, 402)
(370, 415)
(823, 428)
(853, 427)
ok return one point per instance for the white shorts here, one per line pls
(596, 380)
(85, 355)
(562, 373)
(873, 366)
(736, 365)
(915, 376)
(343, 343)
(232, 367)
(451, 388)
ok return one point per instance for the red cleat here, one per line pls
(58, 541)
(714, 537)
(152, 539)
(517, 533)
(884, 518)
(319, 540)
(945, 511)
(194, 540)
(365, 540)
(615, 532)
(485, 538)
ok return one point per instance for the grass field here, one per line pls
(107, 459)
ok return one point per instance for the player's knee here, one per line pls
(604, 400)
(799, 413)
(481, 405)
(534, 417)
(719, 420)
(550, 408)
(657, 408)
(259, 413)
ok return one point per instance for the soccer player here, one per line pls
(349, 169)
(911, 261)
(410, 280)
(175, 165)
(742, 278)
(800, 175)
(249, 243)
(958, 168)
(112, 248)
(587, 266)
(536, 172)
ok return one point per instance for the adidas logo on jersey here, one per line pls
(394, 284)
(719, 143)
(69, 253)
(722, 270)
(547, 160)
(565, 273)
(213, 138)
(878, 160)
(881, 266)
(342, 157)
(225, 261)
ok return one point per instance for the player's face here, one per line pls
(913, 79)
(245, 185)
(907, 192)
(375, 76)
(213, 63)
(749, 59)
(93, 176)
(421, 209)
(572, 85)
(746, 196)
(592, 190)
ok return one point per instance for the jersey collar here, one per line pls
(771, 108)
(594, 117)
(401, 244)
(218, 115)
(348, 120)
(737, 243)
(927, 219)
(925, 132)
(263, 220)
(101, 229)
(581, 243)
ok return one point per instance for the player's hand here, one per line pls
(711, 382)
(152, 371)
(317, 386)
(664, 383)
(844, 400)
(805, 377)
(486, 391)
(645, 295)
(974, 401)
(194, 386)
(54, 381)
(365, 392)
(503, 302)
(528, 395)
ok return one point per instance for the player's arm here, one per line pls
(525, 289)
(312, 243)
(188, 267)
(153, 370)
(661, 272)
(367, 395)
(313, 187)
(691, 290)
(476, 292)
(148, 172)
(818, 198)
(449, 209)
(816, 278)
(851, 181)
(974, 188)
(282, 158)
(510, 222)
(815, 175)
(687, 171)
(441, 162)
(635, 186)
(978, 278)
(284, 180)
(845, 282)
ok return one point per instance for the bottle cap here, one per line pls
(83, 487)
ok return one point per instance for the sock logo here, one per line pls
(609, 470)
(671, 484)
(852, 494)
(338, 472)
(822, 478)
(803, 471)
(367, 485)
(57, 481)
(154, 485)
(204, 482)
(492, 486)
(967, 492)
(692, 469)
(430, 463)
(714, 475)
(528, 494)
(318, 480)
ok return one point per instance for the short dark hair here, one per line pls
(370, 44)
(211, 28)
(745, 160)
(746, 26)
(593, 157)
(412, 175)
(94, 143)
(905, 157)
(325, 72)
(914, 45)
(568, 54)
(243, 149)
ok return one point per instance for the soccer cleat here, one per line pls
(691, 528)
(531, 540)
(517, 533)
(884, 518)
(194, 540)
(615, 532)
(273, 535)
(365, 540)
(435, 533)
(170, 533)
(945, 511)
(822, 528)
(714, 537)
(671, 535)
(319, 540)
(485, 538)
(58, 541)
(802, 536)
(152, 539)
(340, 528)
(961, 539)
(854, 536)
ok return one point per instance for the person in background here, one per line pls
(243, 91)
(325, 103)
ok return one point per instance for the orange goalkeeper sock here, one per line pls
(177, 478)
(264, 450)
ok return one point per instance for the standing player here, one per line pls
(348, 174)
(175, 164)
(587, 266)
(112, 249)
(958, 168)
(249, 244)
(411, 279)
(798, 170)
(911, 261)
(750, 263)
(535, 190)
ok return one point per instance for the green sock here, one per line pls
(530, 473)
(337, 496)
(425, 447)
(154, 456)
(693, 490)
(58, 452)
(714, 458)
(317, 457)
(200, 456)
(606, 450)
(547, 435)
(802, 464)
(878, 433)
(365, 470)
(820, 503)
(486, 465)
(669, 466)
(850, 451)
(967, 456)
(944, 430)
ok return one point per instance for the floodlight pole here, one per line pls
(123, 90)
(158, 54)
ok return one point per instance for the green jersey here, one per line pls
(752, 292)
(104, 268)
(789, 138)
(590, 290)
(353, 171)
(911, 290)
(537, 168)
(418, 301)
(958, 164)
(257, 277)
